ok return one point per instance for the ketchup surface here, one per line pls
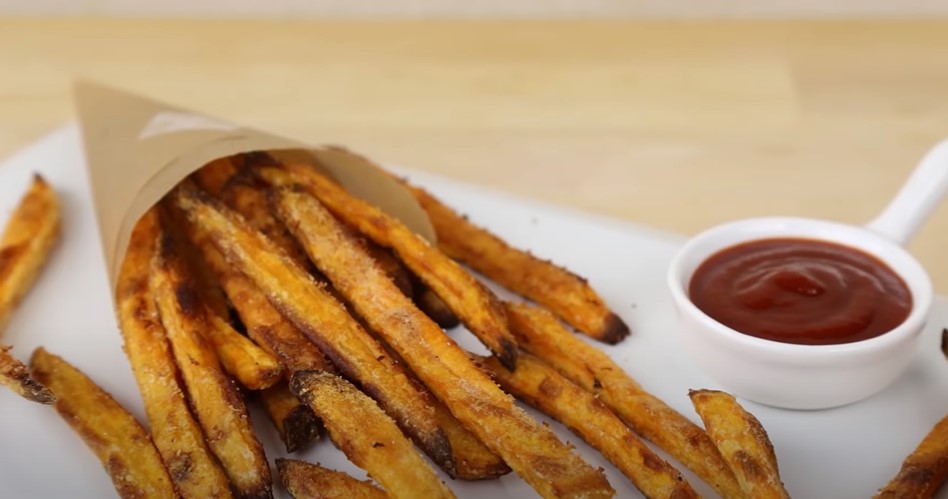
(800, 291)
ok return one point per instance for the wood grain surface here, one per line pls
(675, 125)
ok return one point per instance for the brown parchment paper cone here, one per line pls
(137, 149)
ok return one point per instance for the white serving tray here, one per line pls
(847, 452)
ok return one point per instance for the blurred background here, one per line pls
(677, 115)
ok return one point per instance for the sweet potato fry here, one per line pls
(117, 439)
(368, 436)
(213, 176)
(27, 240)
(434, 307)
(176, 434)
(294, 421)
(323, 320)
(219, 407)
(252, 366)
(530, 449)
(541, 334)
(312, 481)
(743, 442)
(564, 293)
(392, 267)
(924, 470)
(471, 301)
(543, 387)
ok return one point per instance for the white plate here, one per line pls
(840, 453)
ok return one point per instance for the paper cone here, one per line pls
(137, 149)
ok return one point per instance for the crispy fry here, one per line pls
(176, 434)
(294, 421)
(541, 334)
(27, 240)
(541, 386)
(743, 442)
(213, 176)
(392, 267)
(924, 470)
(564, 293)
(323, 320)
(15, 376)
(435, 308)
(471, 301)
(312, 481)
(532, 450)
(218, 405)
(121, 444)
(367, 436)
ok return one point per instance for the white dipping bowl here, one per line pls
(791, 375)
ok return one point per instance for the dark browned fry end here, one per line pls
(614, 330)
(17, 374)
(301, 428)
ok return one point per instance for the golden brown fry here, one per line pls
(564, 293)
(543, 387)
(323, 320)
(213, 176)
(15, 376)
(312, 481)
(532, 450)
(471, 301)
(924, 470)
(367, 436)
(544, 336)
(392, 267)
(218, 405)
(294, 421)
(743, 443)
(435, 308)
(27, 240)
(117, 439)
(252, 366)
(176, 434)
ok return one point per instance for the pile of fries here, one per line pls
(256, 281)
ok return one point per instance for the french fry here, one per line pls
(564, 293)
(312, 481)
(924, 470)
(541, 334)
(392, 268)
(27, 240)
(435, 308)
(323, 320)
(219, 407)
(117, 439)
(368, 436)
(294, 421)
(531, 450)
(213, 176)
(743, 443)
(471, 301)
(176, 434)
(543, 387)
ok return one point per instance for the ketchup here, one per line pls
(800, 291)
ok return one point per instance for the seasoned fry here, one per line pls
(323, 320)
(213, 176)
(564, 293)
(116, 438)
(368, 436)
(435, 308)
(471, 301)
(294, 421)
(542, 387)
(545, 337)
(218, 405)
(312, 481)
(532, 450)
(743, 442)
(924, 470)
(252, 366)
(15, 376)
(392, 267)
(27, 240)
(176, 434)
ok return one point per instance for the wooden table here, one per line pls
(675, 125)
